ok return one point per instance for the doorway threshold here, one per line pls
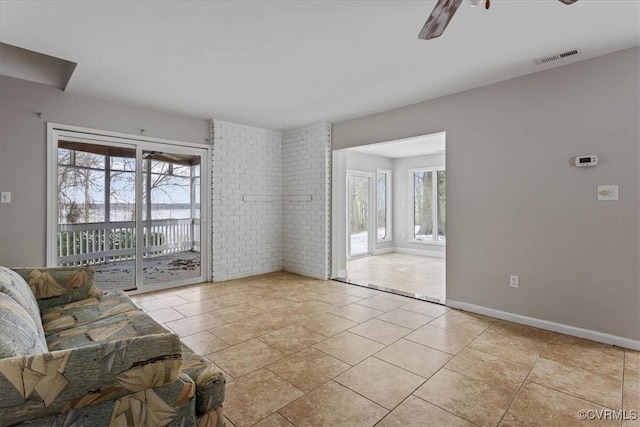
(415, 296)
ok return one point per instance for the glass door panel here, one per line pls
(171, 231)
(423, 205)
(96, 211)
(358, 204)
(442, 205)
(381, 219)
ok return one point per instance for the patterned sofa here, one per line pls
(71, 355)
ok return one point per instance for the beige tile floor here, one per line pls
(422, 275)
(305, 352)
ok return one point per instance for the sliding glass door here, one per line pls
(129, 208)
(171, 216)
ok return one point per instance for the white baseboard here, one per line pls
(419, 252)
(547, 325)
(242, 275)
(409, 251)
(383, 251)
(305, 273)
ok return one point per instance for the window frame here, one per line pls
(388, 209)
(412, 205)
(371, 222)
(57, 131)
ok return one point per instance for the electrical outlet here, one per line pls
(514, 281)
(5, 197)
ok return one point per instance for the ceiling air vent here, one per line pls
(557, 56)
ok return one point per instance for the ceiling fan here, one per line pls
(444, 11)
(158, 155)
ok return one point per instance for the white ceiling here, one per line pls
(408, 147)
(286, 64)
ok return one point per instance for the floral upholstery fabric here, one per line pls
(18, 332)
(210, 381)
(126, 325)
(164, 406)
(59, 285)
(102, 362)
(13, 285)
(60, 381)
(85, 311)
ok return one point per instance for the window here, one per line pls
(170, 188)
(383, 205)
(81, 185)
(429, 205)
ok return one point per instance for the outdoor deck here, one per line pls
(120, 274)
(171, 250)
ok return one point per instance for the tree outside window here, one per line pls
(429, 205)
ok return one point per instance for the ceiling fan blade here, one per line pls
(568, 1)
(171, 156)
(157, 155)
(439, 19)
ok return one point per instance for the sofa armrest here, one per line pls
(60, 381)
(59, 285)
(210, 382)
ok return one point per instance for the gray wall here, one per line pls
(23, 143)
(515, 205)
(403, 201)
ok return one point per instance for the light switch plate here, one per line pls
(607, 192)
(5, 197)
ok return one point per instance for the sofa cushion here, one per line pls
(126, 325)
(210, 382)
(18, 332)
(60, 285)
(13, 285)
(83, 312)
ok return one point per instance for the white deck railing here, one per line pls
(96, 243)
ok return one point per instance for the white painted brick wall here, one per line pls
(247, 220)
(306, 159)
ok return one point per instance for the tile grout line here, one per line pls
(581, 369)
(525, 380)
(385, 346)
(433, 404)
(482, 381)
(624, 369)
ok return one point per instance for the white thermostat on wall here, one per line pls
(582, 161)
